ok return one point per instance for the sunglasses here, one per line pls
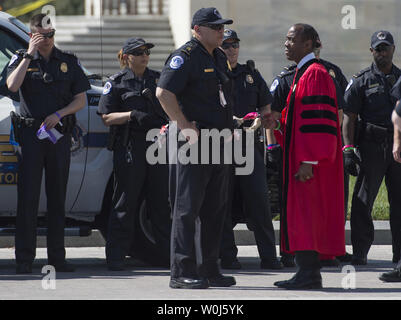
(49, 34)
(382, 48)
(234, 45)
(138, 53)
(216, 27)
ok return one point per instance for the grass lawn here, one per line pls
(381, 206)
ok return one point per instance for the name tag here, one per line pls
(32, 69)
(373, 85)
(209, 70)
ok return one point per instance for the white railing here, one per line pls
(96, 8)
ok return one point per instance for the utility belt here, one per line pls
(19, 123)
(373, 132)
(120, 135)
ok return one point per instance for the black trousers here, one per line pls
(35, 156)
(132, 184)
(377, 163)
(256, 207)
(199, 209)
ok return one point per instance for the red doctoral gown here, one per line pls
(313, 211)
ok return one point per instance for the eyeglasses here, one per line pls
(228, 45)
(49, 34)
(138, 53)
(215, 27)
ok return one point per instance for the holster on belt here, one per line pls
(19, 123)
(378, 133)
(69, 122)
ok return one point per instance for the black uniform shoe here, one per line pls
(288, 261)
(271, 264)
(391, 276)
(64, 267)
(233, 264)
(24, 268)
(221, 281)
(359, 261)
(345, 258)
(302, 280)
(188, 283)
(330, 263)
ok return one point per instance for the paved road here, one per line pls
(93, 281)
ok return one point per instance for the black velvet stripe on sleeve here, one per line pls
(318, 128)
(319, 100)
(319, 114)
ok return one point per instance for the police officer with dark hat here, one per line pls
(280, 89)
(251, 94)
(370, 144)
(195, 91)
(129, 106)
(52, 88)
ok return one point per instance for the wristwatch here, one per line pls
(27, 56)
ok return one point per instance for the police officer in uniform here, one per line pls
(368, 131)
(129, 106)
(395, 274)
(251, 94)
(280, 89)
(194, 90)
(52, 89)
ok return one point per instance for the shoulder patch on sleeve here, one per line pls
(176, 62)
(107, 87)
(274, 85)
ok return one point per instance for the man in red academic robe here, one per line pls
(312, 221)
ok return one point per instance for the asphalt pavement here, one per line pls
(92, 280)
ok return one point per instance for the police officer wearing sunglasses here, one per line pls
(129, 106)
(194, 90)
(251, 94)
(372, 148)
(52, 87)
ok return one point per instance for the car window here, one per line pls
(8, 46)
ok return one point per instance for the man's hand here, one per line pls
(305, 172)
(51, 121)
(191, 132)
(397, 152)
(34, 43)
(351, 163)
(268, 121)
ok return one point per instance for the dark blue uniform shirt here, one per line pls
(368, 94)
(396, 93)
(195, 77)
(123, 92)
(65, 80)
(250, 91)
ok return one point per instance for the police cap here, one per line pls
(133, 43)
(380, 37)
(230, 34)
(208, 16)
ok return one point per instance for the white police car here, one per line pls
(90, 184)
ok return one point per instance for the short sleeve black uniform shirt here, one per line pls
(195, 77)
(49, 86)
(368, 95)
(124, 92)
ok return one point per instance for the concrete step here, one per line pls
(91, 32)
(94, 39)
(68, 46)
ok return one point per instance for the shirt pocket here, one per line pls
(374, 95)
(132, 100)
(210, 84)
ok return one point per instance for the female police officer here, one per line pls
(128, 106)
